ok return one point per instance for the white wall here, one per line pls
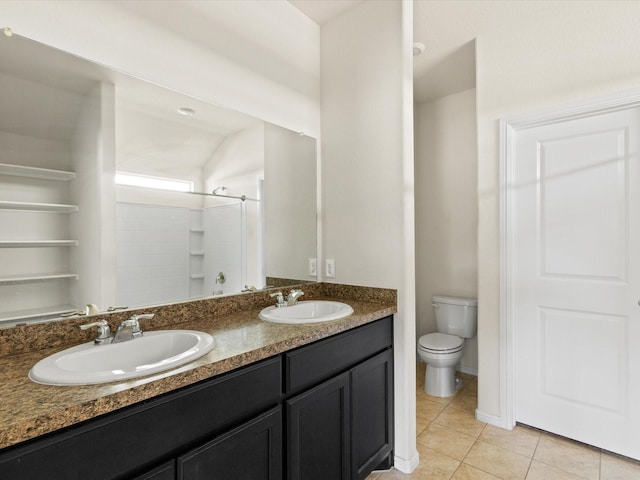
(236, 164)
(93, 159)
(367, 174)
(290, 203)
(168, 43)
(558, 52)
(446, 208)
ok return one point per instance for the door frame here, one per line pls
(509, 127)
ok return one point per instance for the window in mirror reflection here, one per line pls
(137, 180)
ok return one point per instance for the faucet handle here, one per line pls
(134, 321)
(103, 329)
(279, 298)
(293, 296)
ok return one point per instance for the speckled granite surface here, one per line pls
(28, 409)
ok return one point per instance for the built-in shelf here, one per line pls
(38, 207)
(18, 317)
(34, 172)
(38, 243)
(37, 277)
(196, 276)
(197, 253)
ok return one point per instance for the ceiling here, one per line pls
(447, 64)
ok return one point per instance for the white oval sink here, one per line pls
(154, 352)
(308, 311)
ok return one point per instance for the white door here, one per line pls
(576, 278)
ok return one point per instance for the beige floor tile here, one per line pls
(460, 420)
(441, 400)
(428, 409)
(615, 468)
(542, 471)
(444, 440)
(520, 440)
(373, 476)
(420, 368)
(467, 472)
(393, 474)
(434, 465)
(570, 457)
(465, 401)
(421, 425)
(470, 386)
(497, 461)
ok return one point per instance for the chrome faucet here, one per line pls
(279, 298)
(293, 297)
(130, 329)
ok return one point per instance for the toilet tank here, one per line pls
(456, 315)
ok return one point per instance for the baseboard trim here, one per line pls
(492, 420)
(469, 370)
(406, 465)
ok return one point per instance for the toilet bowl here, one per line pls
(456, 319)
(441, 353)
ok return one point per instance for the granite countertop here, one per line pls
(28, 410)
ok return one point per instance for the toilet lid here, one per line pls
(440, 342)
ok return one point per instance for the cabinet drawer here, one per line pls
(311, 364)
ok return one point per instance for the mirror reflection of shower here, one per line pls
(191, 247)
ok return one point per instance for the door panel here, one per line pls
(576, 278)
(572, 217)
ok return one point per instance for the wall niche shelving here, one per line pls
(34, 251)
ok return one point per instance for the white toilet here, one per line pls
(456, 320)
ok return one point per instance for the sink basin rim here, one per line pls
(58, 368)
(307, 311)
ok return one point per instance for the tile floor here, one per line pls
(454, 445)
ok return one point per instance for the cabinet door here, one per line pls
(318, 432)
(252, 451)
(372, 415)
(164, 472)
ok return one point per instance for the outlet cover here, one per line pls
(313, 267)
(330, 268)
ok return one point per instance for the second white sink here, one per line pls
(154, 352)
(308, 311)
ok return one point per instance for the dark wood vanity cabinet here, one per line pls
(341, 428)
(132, 442)
(322, 411)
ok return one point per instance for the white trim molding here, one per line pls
(509, 127)
(406, 465)
(493, 420)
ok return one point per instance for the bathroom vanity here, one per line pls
(319, 407)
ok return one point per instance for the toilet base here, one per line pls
(441, 381)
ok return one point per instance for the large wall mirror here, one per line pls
(120, 193)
